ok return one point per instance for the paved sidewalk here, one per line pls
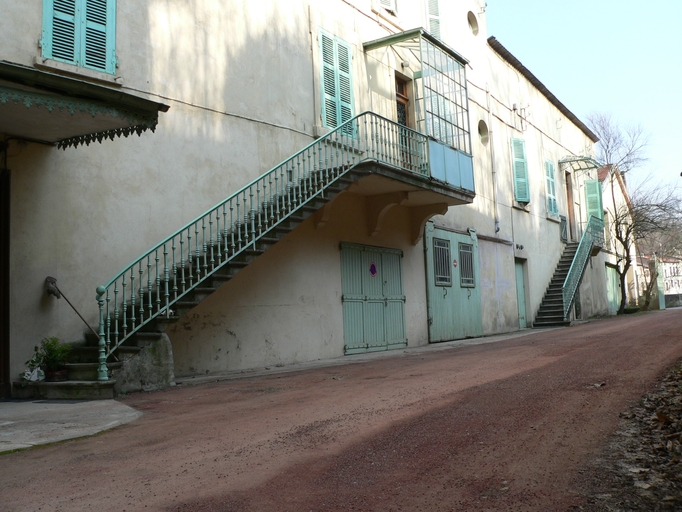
(28, 423)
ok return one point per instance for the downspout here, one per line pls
(492, 159)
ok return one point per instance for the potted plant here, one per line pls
(50, 357)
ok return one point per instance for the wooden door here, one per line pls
(373, 299)
(453, 285)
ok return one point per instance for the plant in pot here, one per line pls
(50, 356)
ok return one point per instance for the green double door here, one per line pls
(453, 285)
(373, 299)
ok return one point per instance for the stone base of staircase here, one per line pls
(67, 390)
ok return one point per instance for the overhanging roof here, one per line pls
(411, 38)
(516, 64)
(53, 109)
(580, 163)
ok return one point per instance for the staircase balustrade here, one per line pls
(151, 285)
(592, 236)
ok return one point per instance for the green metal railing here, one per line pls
(592, 236)
(169, 271)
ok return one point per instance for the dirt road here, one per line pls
(500, 426)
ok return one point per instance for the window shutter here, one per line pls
(337, 84)
(98, 48)
(522, 193)
(552, 207)
(81, 32)
(345, 86)
(59, 30)
(434, 19)
(593, 199)
(329, 104)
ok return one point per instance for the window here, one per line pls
(521, 190)
(337, 86)
(552, 207)
(443, 85)
(80, 32)
(593, 199)
(434, 19)
(441, 262)
(466, 263)
(390, 5)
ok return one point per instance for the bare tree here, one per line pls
(647, 217)
(622, 146)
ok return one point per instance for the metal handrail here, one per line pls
(592, 236)
(150, 285)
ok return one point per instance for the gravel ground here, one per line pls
(641, 468)
(507, 426)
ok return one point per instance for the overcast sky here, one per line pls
(614, 56)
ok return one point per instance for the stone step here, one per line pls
(89, 371)
(67, 390)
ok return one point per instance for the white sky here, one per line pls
(615, 56)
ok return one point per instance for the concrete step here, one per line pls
(88, 371)
(67, 390)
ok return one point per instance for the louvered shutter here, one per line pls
(434, 18)
(522, 193)
(593, 199)
(345, 85)
(552, 207)
(329, 104)
(81, 32)
(337, 84)
(59, 30)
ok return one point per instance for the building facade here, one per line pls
(351, 175)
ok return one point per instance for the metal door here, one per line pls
(521, 294)
(373, 299)
(453, 285)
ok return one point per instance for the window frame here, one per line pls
(467, 272)
(441, 261)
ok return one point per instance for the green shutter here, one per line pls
(59, 40)
(552, 207)
(522, 192)
(337, 84)
(593, 199)
(80, 32)
(434, 18)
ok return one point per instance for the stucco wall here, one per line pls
(286, 306)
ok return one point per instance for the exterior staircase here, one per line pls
(556, 305)
(160, 287)
(551, 311)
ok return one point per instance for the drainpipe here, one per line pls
(492, 158)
